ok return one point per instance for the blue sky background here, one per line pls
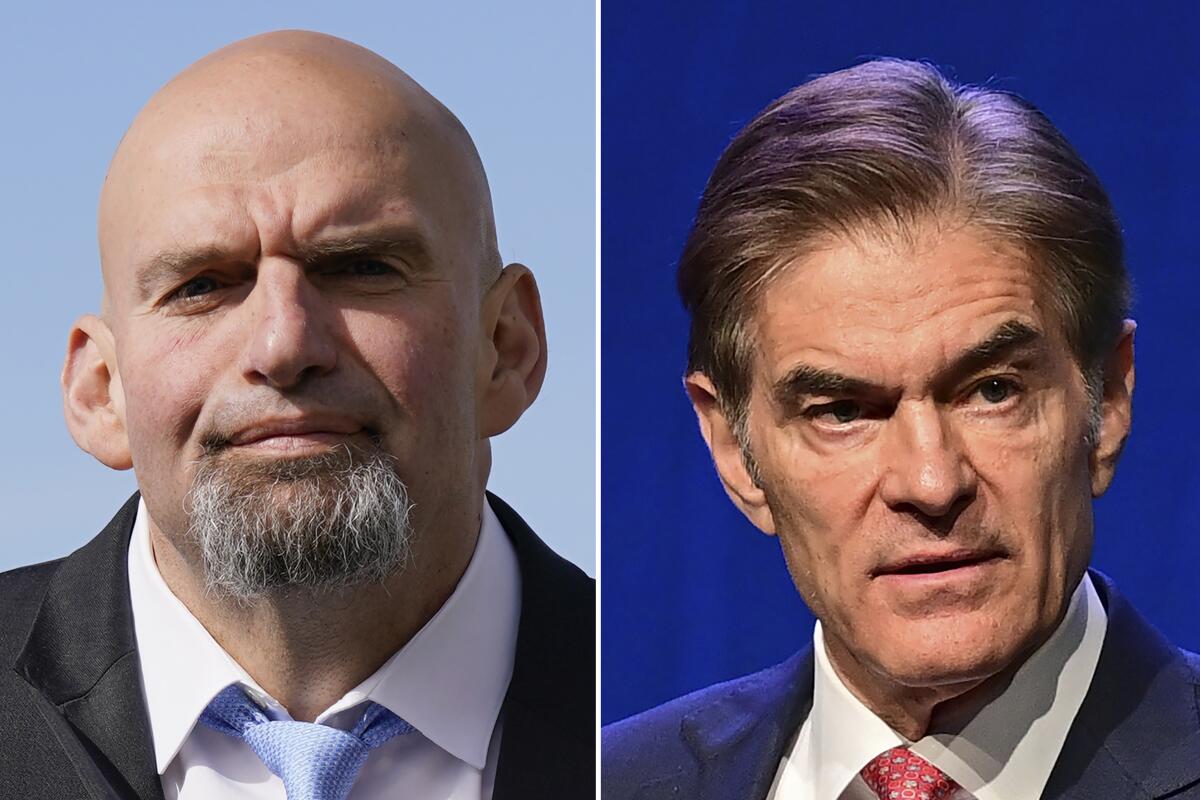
(520, 75)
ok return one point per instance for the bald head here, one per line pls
(293, 235)
(280, 103)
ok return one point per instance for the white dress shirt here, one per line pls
(1006, 751)
(448, 681)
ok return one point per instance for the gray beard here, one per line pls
(312, 525)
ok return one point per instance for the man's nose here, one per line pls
(926, 471)
(292, 335)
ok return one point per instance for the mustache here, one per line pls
(338, 463)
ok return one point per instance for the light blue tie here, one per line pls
(315, 762)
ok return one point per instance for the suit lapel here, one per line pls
(548, 745)
(81, 655)
(739, 740)
(1137, 733)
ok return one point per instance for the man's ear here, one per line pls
(93, 401)
(512, 362)
(727, 454)
(1116, 410)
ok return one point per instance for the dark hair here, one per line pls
(883, 146)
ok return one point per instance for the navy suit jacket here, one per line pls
(1137, 734)
(73, 722)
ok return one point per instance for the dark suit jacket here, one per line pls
(1137, 734)
(73, 721)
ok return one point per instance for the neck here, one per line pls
(911, 711)
(307, 649)
(917, 711)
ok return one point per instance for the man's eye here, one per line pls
(996, 390)
(841, 412)
(196, 287)
(368, 267)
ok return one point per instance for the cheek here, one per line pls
(1038, 474)
(424, 362)
(1036, 483)
(164, 389)
(821, 520)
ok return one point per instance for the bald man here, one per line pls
(306, 340)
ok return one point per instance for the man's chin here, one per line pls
(943, 653)
(313, 524)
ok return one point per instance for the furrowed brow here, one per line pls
(168, 267)
(1007, 340)
(805, 380)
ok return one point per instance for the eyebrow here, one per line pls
(405, 242)
(170, 266)
(1007, 340)
(805, 380)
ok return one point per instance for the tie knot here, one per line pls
(900, 774)
(315, 762)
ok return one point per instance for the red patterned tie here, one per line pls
(900, 774)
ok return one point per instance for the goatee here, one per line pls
(314, 524)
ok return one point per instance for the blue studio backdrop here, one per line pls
(692, 594)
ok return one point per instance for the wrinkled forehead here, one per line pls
(280, 143)
(883, 309)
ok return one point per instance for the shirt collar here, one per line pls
(843, 735)
(448, 681)
(1007, 749)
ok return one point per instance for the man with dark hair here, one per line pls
(307, 339)
(911, 362)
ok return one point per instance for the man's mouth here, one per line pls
(934, 564)
(294, 434)
(296, 441)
